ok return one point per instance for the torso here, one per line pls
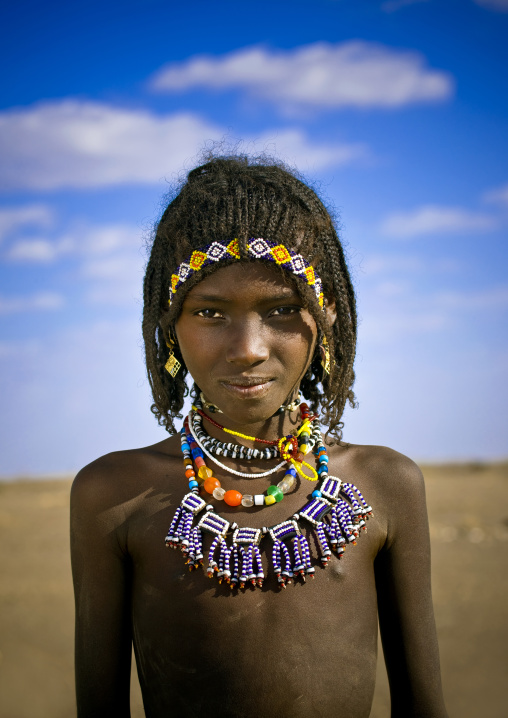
(308, 650)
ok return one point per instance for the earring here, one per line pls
(172, 365)
(325, 357)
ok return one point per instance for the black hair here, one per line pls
(242, 197)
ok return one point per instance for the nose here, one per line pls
(247, 343)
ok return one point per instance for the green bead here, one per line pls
(275, 492)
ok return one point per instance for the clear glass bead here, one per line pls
(247, 500)
(287, 484)
(218, 493)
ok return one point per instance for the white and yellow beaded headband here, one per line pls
(259, 248)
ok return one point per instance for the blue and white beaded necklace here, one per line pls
(336, 512)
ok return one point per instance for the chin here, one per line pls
(250, 412)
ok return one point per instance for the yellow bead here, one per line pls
(204, 472)
(304, 448)
(269, 500)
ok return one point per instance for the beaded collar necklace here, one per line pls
(336, 512)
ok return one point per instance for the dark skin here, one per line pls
(202, 649)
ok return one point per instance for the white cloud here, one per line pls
(497, 5)
(116, 267)
(109, 260)
(293, 145)
(349, 74)
(74, 144)
(394, 5)
(89, 144)
(402, 264)
(80, 240)
(38, 250)
(376, 264)
(37, 302)
(499, 195)
(39, 216)
(435, 219)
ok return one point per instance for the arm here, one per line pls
(406, 614)
(101, 574)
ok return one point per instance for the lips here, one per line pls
(247, 387)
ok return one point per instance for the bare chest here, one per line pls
(307, 649)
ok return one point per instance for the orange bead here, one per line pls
(210, 484)
(233, 498)
(190, 473)
(204, 472)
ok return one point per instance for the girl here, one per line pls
(267, 607)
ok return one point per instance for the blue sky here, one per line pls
(397, 111)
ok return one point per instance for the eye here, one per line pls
(285, 311)
(208, 313)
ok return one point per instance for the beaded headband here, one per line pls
(258, 249)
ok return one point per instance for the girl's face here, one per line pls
(246, 339)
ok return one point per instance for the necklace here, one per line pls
(234, 451)
(309, 430)
(291, 448)
(336, 512)
(243, 474)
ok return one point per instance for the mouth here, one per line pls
(247, 387)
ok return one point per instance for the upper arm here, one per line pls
(404, 598)
(101, 575)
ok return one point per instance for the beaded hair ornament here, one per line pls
(258, 248)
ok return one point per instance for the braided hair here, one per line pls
(241, 197)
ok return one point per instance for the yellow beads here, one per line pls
(237, 433)
(269, 500)
(298, 466)
(204, 472)
(306, 426)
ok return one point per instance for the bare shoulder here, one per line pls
(394, 470)
(121, 475)
(391, 483)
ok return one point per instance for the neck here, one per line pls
(270, 429)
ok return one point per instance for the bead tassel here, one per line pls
(336, 513)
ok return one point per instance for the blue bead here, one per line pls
(322, 469)
(193, 484)
(316, 494)
(185, 447)
(291, 471)
(323, 459)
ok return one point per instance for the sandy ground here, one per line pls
(468, 508)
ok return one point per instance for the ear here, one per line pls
(330, 311)
(166, 327)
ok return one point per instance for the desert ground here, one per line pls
(468, 510)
